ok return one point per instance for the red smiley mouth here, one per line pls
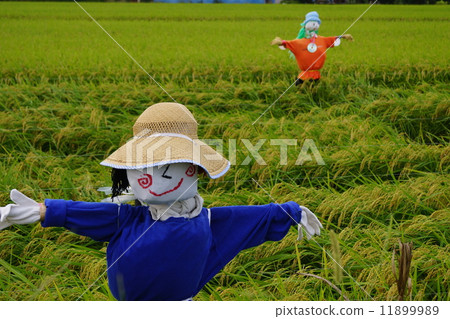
(169, 191)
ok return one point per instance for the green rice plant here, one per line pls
(379, 118)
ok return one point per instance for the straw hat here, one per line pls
(166, 133)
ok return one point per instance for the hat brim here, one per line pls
(163, 149)
(309, 20)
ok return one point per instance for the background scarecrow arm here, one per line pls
(283, 44)
(336, 41)
(348, 37)
(277, 41)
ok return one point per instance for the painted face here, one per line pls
(312, 26)
(165, 184)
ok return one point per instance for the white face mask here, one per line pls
(312, 26)
(165, 184)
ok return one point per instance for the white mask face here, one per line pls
(312, 26)
(165, 184)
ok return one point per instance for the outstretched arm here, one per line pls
(99, 221)
(23, 211)
(336, 41)
(277, 41)
(348, 37)
(236, 228)
(282, 44)
(42, 211)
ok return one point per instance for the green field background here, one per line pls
(379, 117)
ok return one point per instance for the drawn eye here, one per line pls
(190, 171)
(165, 171)
(146, 181)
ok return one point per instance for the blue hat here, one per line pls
(311, 16)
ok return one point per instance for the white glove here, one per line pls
(310, 222)
(24, 211)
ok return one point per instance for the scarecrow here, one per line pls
(309, 48)
(170, 247)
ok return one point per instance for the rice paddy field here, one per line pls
(380, 119)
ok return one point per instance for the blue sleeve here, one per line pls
(236, 228)
(98, 221)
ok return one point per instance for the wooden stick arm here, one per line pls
(42, 211)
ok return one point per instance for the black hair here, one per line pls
(119, 181)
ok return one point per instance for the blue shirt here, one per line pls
(175, 258)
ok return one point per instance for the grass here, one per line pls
(379, 118)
